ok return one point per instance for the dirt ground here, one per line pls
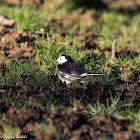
(15, 44)
(75, 123)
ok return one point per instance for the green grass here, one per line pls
(24, 75)
(45, 129)
(47, 52)
(26, 18)
(125, 112)
(9, 130)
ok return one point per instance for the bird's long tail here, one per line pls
(91, 73)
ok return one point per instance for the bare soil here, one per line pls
(15, 44)
(33, 3)
(74, 122)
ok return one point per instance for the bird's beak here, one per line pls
(56, 60)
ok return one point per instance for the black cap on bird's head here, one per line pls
(68, 58)
(64, 58)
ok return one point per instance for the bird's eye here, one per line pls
(60, 58)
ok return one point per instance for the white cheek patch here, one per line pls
(62, 60)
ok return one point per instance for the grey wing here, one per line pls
(67, 76)
(72, 76)
(76, 72)
(73, 71)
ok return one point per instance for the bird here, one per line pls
(68, 71)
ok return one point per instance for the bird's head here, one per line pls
(63, 59)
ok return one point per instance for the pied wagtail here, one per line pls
(69, 71)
